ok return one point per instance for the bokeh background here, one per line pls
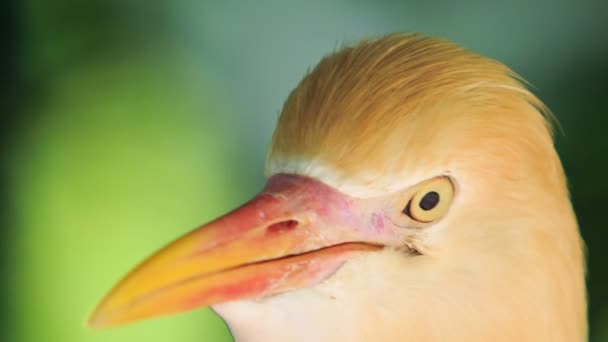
(126, 123)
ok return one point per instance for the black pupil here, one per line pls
(429, 201)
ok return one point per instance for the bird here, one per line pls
(413, 193)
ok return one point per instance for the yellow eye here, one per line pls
(431, 200)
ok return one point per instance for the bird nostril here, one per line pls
(280, 227)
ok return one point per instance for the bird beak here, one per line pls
(294, 234)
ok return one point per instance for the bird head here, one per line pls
(413, 192)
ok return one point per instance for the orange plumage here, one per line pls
(381, 105)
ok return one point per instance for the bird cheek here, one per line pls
(378, 228)
(377, 223)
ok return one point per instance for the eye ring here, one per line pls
(431, 200)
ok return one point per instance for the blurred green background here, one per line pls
(126, 123)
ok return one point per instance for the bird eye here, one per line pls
(431, 200)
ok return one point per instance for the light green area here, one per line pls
(120, 159)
